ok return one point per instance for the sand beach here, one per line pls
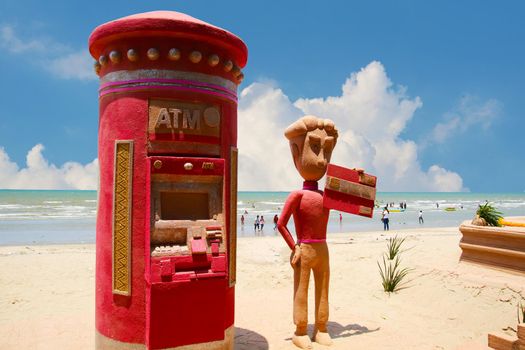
(47, 295)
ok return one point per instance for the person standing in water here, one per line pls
(256, 224)
(386, 219)
(421, 221)
(261, 222)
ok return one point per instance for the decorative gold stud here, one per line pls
(97, 67)
(133, 55)
(213, 60)
(153, 54)
(228, 65)
(174, 54)
(195, 56)
(103, 60)
(236, 71)
(114, 56)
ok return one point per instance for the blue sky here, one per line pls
(459, 66)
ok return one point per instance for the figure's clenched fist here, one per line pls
(296, 255)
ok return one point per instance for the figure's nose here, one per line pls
(321, 161)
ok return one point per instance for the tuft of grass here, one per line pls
(491, 215)
(392, 274)
(394, 247)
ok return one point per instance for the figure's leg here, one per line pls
(300, 302)
(322, 282)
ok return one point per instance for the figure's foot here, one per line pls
(302, 341)
(323, 338)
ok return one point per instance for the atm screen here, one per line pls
(184, 206)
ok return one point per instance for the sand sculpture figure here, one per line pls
(312, 141)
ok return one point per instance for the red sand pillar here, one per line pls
(166, 224)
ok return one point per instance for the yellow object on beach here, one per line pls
(450, 209)
(504, 222)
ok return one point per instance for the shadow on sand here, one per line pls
(246, 339)
(337, 330)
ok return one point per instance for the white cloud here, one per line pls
(264, 157)
(370, 114)
(59, 59)
(470, 113)
(78, 65)
(13, 44)
(40, 174)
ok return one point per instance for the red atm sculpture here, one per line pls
(166, 226)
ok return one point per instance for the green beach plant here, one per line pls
(392, 274)
(394, 247)
(490, 214)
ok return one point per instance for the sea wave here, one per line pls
(272, 203)
(11, 206)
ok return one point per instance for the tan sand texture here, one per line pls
(47, 295)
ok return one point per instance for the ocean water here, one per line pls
(51, 217)
(47, 217)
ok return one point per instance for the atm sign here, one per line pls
(168, 117)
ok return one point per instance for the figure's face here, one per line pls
(312, 153)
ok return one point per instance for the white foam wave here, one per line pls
(11, 206)
(272, 203)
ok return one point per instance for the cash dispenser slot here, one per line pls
(187, 232)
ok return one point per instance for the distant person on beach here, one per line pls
(421, 221)
(256, 224)
(275, 220)
(242, 220)
(340, 218)
(437, 205)
(261, 222)
(385, 219)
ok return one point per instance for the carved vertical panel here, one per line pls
(122, 217)
(232, 242)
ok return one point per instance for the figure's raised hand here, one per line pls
(359, 170)
(296, 255)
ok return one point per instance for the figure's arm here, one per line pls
(292, 202)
